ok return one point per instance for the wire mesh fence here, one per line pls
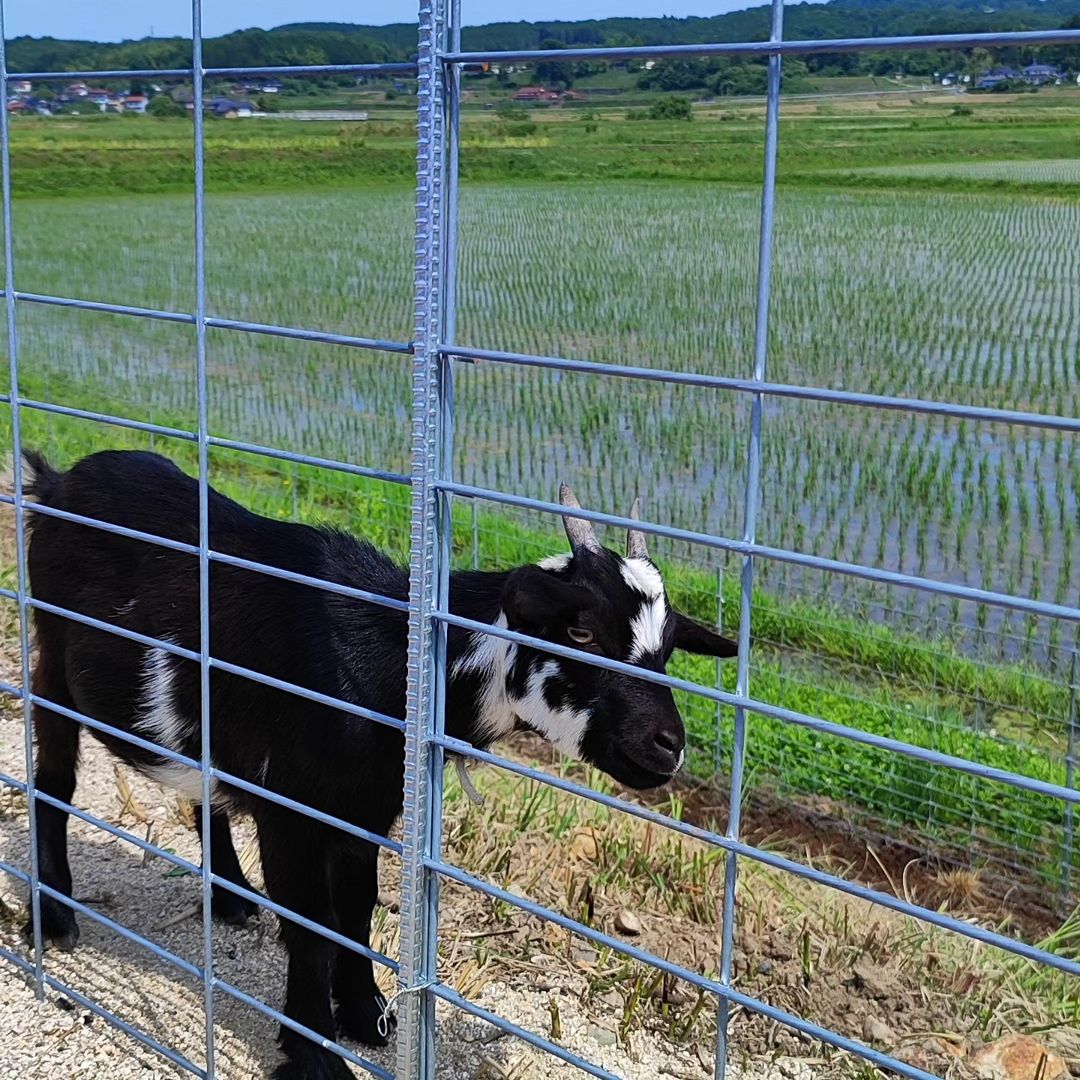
(935, 766)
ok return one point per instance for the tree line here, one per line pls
(344, 43)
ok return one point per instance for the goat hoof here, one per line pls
(58, 926)
(358, 1019)
(229, 908)
(312, 1062)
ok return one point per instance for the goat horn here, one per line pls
(635, 538)
(579, 532)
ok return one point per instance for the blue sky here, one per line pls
(116, 19)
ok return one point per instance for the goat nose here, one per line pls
(669, 742)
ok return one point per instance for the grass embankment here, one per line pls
(870, 678)
(819, 145)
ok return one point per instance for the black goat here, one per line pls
(591, 599)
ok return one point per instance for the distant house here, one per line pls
(136, 103)
(535, 93)
(230, 109)
(1040, 74)
(20, 86)
(950, 79)
(16, 105)
(572, 95)
(77, 90)
(996, 76)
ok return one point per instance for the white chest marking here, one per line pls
(161, 722)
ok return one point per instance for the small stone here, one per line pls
(626, 922)
(877, 1031)
(602, 1036)
(1018, 1057)
(765, 967)
(390, 902)
(878, 982)
(583, 844)
(583, 954)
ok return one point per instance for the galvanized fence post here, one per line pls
(750, 513)
(202, 436)
(429, 546)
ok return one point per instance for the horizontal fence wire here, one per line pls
(100, 1011)
(225, 777)
(772, 48)
(219, 72)
(178, 862)
(430, 473)
(772, 860)
(321, 337)
(781, 555)
(956, 410)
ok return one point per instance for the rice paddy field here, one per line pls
(961, 294)
(1062, 171)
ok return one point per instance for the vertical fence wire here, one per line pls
(750, 512)
(20, 517)
(718, 742)
(204, 531)
(423, 759)
(1072, 748)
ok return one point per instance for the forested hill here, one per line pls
(344, 43)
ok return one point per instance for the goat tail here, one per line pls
(41, 478)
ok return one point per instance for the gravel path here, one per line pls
(56, 1039)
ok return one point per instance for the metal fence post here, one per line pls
(753, 498)
(20, 514)
(1072, 748)
(204, 531)
(429, 546)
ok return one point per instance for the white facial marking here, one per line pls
(647, 626)
(642, 576)
(563, 727)
(492, 658)
(555, 562)
(161, 722)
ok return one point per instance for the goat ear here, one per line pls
(692, 637)
(532, 597)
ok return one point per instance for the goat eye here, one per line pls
(580, 635)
